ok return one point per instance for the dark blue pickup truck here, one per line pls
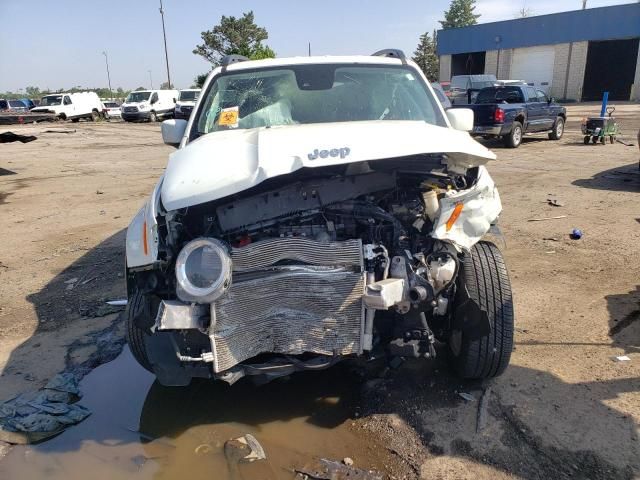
(510, 111)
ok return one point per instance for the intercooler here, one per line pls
(290, 296)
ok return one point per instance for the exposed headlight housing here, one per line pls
(203, 271)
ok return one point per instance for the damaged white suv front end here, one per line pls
(317, 209)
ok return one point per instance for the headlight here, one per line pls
(203, 271)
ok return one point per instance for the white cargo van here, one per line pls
(149, 105)
(72, 106)
(186, 102)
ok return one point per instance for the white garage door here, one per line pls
(534, 65)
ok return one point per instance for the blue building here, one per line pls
(571, 55)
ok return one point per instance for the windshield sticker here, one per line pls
(229, 117)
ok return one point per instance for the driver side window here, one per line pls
(67, 100)
(542, 97)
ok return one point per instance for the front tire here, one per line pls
(153, 118)
(487, 282)
(514, 138)
(139, 307)
(557, 130)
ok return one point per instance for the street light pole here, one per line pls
(106, 59)
(164, 34)
(150, 79)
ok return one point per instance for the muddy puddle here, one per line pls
(140, 429)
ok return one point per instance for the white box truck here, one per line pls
(151, 105)
(71, 106)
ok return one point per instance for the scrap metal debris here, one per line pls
(8, 137)
(36, 416)
(117, 303)
(554, 202)
(622, 358)
(323, 469)
(244, 449)
(546, 218)
(467, 397)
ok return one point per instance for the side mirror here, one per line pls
(173, 131)
(461, 118)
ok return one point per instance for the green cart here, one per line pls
(597, 129)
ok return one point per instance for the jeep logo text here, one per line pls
(334, 152)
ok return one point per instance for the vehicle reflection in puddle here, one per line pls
(140, 429)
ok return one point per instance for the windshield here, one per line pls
(481, 84)
(137, 97)
(16, 104)
(304, 94)
(110, 104)
(500, 95)
(188, 96)
(51, 100)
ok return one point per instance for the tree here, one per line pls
(166, 86)
(524, 12)
(198, 82)
(32, 92)
(426, 58)
(240, 36)
(460, 14)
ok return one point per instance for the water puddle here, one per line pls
(142, 430)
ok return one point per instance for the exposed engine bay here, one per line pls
(311, 267)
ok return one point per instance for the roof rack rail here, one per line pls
(229, 59)
(391, 53)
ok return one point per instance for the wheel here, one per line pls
(557, 130)
(153, 117)
(612, 139)
(586, 139)
(62, 117)
(603, 140)
(514, 139)
(485, 277)
(139, 309)
(94, 116)
(75, 120)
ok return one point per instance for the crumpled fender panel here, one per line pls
(144, 227)
(481, 208)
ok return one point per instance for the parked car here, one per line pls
(12, 106)
(441, 94)
(28, 102)
(446, 87)
(111, 110)
(72, 106)
(151, 105)
(186, 102)
(465, 88)
(316, 209)
(510, 112)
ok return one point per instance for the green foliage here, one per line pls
(426, 58)
(35, 92)
(166, 86)
(460, 14)
(239, 36)
(198, 82)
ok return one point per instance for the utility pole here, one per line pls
(150, 79)
(584, 4)
(106, 59)
(309, 48)
(164, 34)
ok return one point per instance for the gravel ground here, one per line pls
(564, 408)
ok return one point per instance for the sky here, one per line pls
(59, 44)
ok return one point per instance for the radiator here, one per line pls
(290, 296)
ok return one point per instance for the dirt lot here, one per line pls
(564, 408)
